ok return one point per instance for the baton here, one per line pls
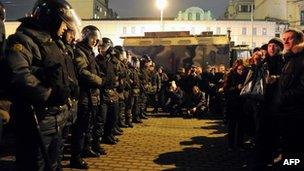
(41, 143)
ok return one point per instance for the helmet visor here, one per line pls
(70, 17)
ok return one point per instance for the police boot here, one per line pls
(108, 140)
(88, 151)
(96, 148)
(117, 131)
(78, 163)
(129, 119)
(143, 116)
(137, 120)
(121, 123)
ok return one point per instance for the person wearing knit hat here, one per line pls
(277, 41)
(275, 46)
(264, 132)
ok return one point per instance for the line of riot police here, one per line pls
(57, 86)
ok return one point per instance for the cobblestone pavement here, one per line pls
(164, 143)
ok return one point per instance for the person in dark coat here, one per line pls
(175, 99)
(289, 100)
(198, 104)
(4, 102)
(265, 134)
(40, 84)
(109, 96)
(88, 128)
(232, 87)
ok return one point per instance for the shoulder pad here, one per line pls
(23, 43)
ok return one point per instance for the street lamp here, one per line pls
(161, 5)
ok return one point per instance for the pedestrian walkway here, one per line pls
(164, 143)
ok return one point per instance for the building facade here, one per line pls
(284, 12)
(94, 9)
(239, 10)
(242, 32)
(194, 14)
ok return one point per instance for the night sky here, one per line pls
(147, 8)
(129, 8)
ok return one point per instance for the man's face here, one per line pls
(123, 56)
(289, 42)
(222, 69)
(102, 49)
(92, 41)
(70, 36)
(273, 49)
(160, 70)
(63, 27)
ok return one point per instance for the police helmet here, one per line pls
(2, 12)
(134, 58)
(49, 14)
(121, 52)
(146, 58)
(120, 49)
(90, 31)
(106, 43)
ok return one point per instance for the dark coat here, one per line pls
(198, 100)
(39, 77)
(291, 86)
(108, 65)
(232, 93)
(274, 65)
(89, 74)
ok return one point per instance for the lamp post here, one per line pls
(161, 4)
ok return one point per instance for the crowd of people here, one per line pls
(55, 85)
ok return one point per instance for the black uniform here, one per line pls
(40, 83)
(146, 87)
(134, 94)
(123, 91)
(88, 121)
(109, 95)
(2, 71)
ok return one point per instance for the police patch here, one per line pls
(17, 47)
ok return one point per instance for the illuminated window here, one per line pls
(244, 31)
(133, 30)
(218, 30)
(198, 16)
(264, 31)
(189, 16)
(142, 29)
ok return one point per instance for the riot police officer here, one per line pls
(40, 84)
(109, 96)
(132, 113)
(87, 128)
(67, 43)
(124, 84)
(4, 103)
(2, 29)
(146, 85)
